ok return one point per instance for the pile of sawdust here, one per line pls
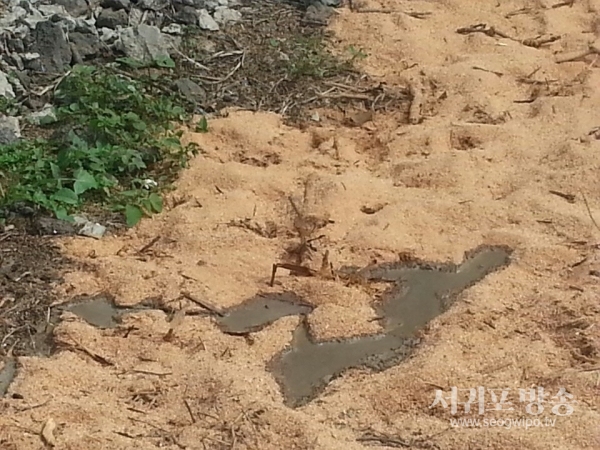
(478, 170)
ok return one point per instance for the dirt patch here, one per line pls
(278, 60)
(30, 270)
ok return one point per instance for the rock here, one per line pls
(187, 15)
(318, 13)
(16, 45)
(108, 36)
(206, 22)
(86, 26)
(51, 44)
(223, 2)
(109, 18)
(198, 4)
(33, 18)
(173, 28)
(9, 130)
(21, 31)
(44, 117)
(116, 4)
(12, 18)
(87, 45)
(6, 89)
(30, 56)
(75, 8)
(190, 90)
(50, 226)
(224, 15)
(144, 43)
(330, 3)
(153, 5)
(93, 230)
(16, 61)
(211, 5)
(135, 17)
(52, 10)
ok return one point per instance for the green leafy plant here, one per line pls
(202, 126)
(114, 144)
(308, 56)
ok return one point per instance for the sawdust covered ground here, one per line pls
(504, 126)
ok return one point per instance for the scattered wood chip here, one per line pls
(48, 432)
(203, 303)
(295, 269)
(568, 197)
(414, 113)
(482, 28)
(373, 209)
(537, 42)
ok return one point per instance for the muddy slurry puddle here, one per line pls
(100, 311)
(260, 311)
(420, 291)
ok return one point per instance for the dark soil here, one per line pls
(29, 267)
(277, 60)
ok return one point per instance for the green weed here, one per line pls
(114, 144)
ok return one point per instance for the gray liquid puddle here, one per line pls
(420, 291)
(418, 295)
(101, 311)
(262, 310)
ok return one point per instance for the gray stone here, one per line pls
(117, 4)
(190, 90)
(332, 3)
(9, 20)
(108, 36)
(16, 61)
(109, 18)
(143, 43)
(86, 26)
(135, 16)
(45, 116)
(173, 28)
(30, 56)
(75, 8)
(318, 13)
(206, 22)
(10, 131)
(51, 226)
(198, 4)
(93, 230)
(33, 18)
(51, 10)
(21, 32)
(87, 45)
(187, 15)
(210, 5)
(16, 45)
(6, 89)
(153, 5)
(51, 44)
(224, 15)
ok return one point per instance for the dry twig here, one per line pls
(203, 303)
(414, 113)
(593, 48)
